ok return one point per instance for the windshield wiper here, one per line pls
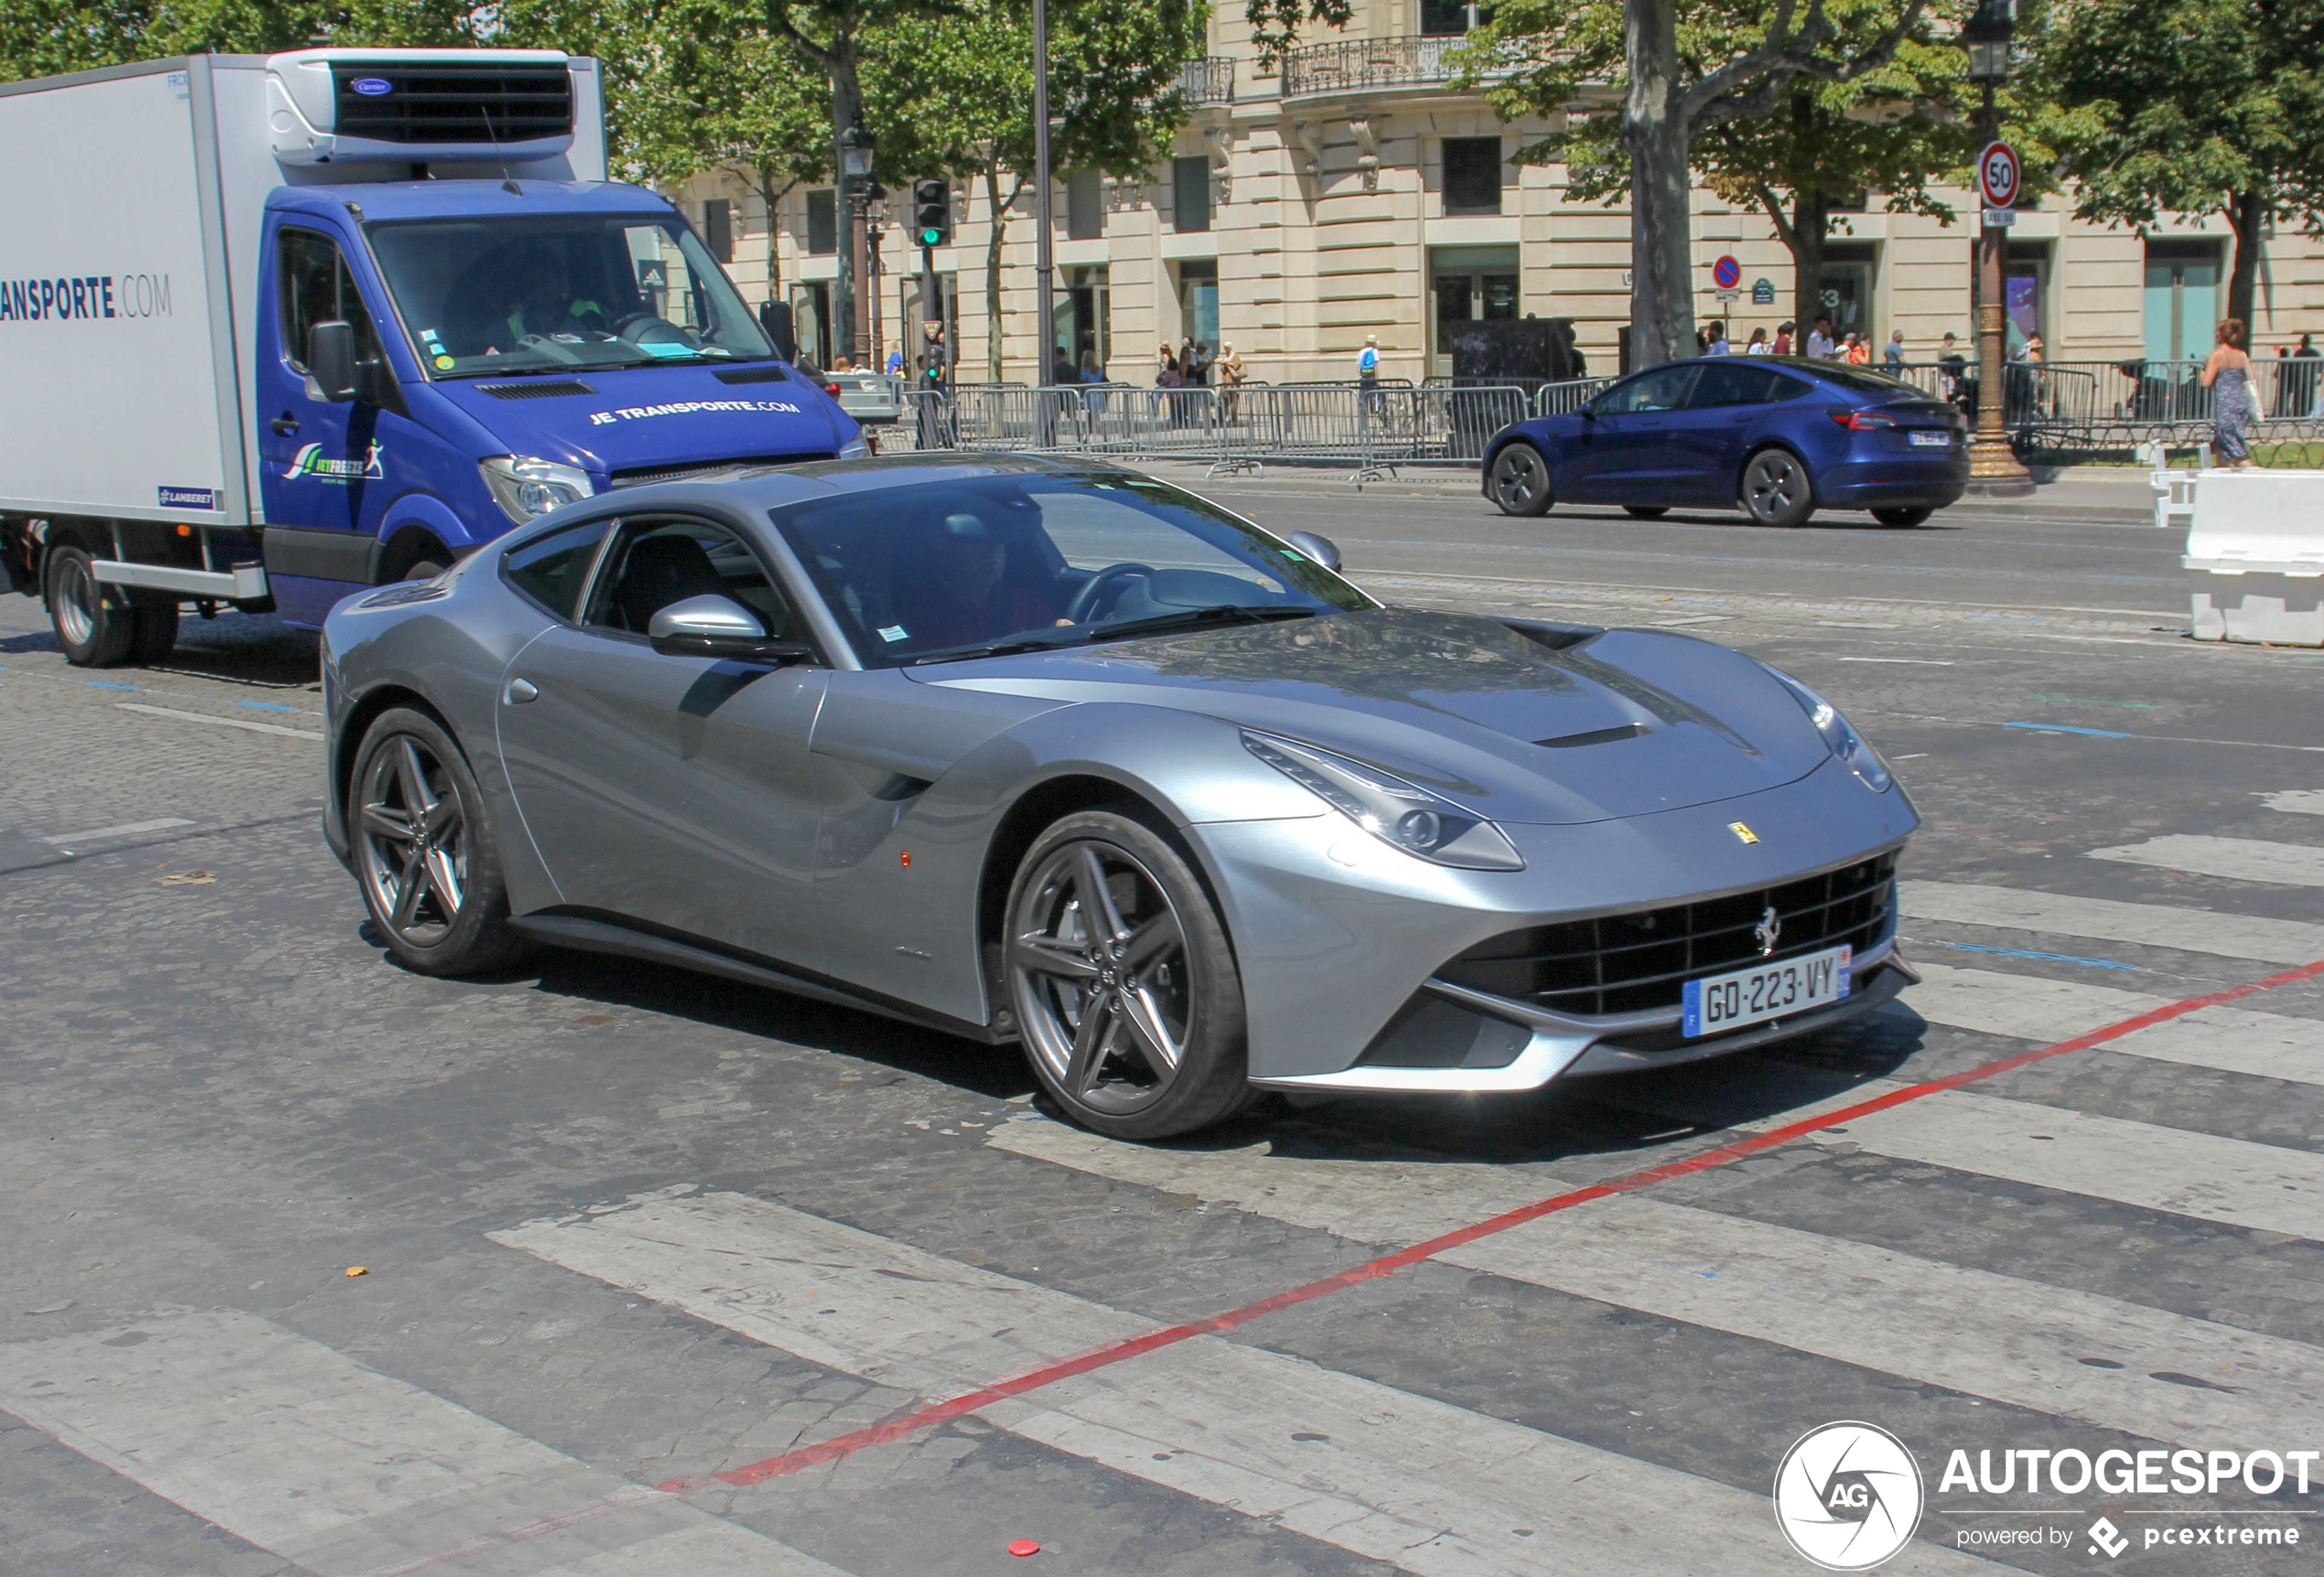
(1194, 617)
(998, 649)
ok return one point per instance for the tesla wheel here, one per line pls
(1902, 516)
(1776, 490)
(1127, 992)
(156, 635)
(425, 853)
(95, 630)
(1519, 481)
(1645, 511)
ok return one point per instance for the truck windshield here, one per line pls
(560, 291)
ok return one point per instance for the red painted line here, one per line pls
(911, 1423)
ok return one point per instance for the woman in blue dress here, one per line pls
(2228, 375)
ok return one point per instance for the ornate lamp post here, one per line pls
(1994, 469)
(857, 148)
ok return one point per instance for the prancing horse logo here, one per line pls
(1767, 931)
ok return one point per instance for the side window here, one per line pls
(549, 570)
(1732, 382)
(318, 287)
(657, 562)
(1663, 389)
(1783, 387)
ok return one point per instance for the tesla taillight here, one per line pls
(1861, 420)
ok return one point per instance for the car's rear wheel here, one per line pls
(425, 851)
(1776, 490)
(1124, 987)
(1646, 511)
(1519, 481)
(1902, 515)
(97, 629)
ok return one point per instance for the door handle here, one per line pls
(284, 424)
(519, 691)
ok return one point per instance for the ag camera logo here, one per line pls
(1849, 1496)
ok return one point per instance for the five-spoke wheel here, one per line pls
(430, 874)
(1776, 490)
(1519, 479)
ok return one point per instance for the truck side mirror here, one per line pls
(330, 359)
(774, 316)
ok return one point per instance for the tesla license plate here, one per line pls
(1727, 1002)
(1931, 440)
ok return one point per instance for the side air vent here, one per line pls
(545, 389)
(768, 374)
(1596, 736)
(419, 104)
(646, 476)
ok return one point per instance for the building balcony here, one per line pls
(1209, 81)
(1366, 64)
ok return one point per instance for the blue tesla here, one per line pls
(1777, 438)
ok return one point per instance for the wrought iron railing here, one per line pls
(1209, 81)
(1367, 63)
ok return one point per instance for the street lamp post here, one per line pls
(1994, 468)
(857, 149)
(1044, 269)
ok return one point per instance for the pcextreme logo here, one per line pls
(310, 462)
(1847, 1495)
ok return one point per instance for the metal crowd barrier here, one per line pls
(2070, 405)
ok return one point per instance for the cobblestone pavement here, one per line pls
(625, 1230)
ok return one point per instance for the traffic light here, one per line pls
(931, 212)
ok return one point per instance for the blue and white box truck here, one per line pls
(276, 328)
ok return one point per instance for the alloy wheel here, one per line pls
(1101, 977)
(1775, 487)
(76, 598)
(413, 835)
(1519, 480)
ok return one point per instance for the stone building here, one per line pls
(1351, 193)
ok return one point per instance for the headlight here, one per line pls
(1403, 815)
(526, 488)
(1843, 741)
(856, 447)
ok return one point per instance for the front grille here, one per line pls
(543, 389)
(452, 102)
(646, 476)
(1634, 962)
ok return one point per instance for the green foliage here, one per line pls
(1275, 25)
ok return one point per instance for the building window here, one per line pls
(1082, 335)
(1471, 284)
(718, 229)
(2182, 301)
(1450, 18)
(1472, 175)
(1191, 190)
(1084, 205)
(1199, 301)
(822, 223)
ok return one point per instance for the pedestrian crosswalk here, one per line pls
(307, 1452)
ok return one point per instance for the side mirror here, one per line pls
(1319, 549)
(713, 626)
(330, 359)
(774, 316)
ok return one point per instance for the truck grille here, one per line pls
(447, 101)
(545, 389)
(1631, 963)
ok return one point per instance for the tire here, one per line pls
(156, 635)
(96, 629)
(1099, 1037)
(1902, 515)
(426, 856)
(1776, 490)
(1646, 511)
(1519, 483)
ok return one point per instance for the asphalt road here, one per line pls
(625, 1231)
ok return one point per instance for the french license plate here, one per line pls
(1721, 1002)
(1926, 440)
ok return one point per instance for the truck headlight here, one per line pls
(1403, 815)
(856, 447)
(1842, 740)
(527, 487)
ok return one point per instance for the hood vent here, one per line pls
(752, 375)
(1596, 736)
(545, 389)
(646, 476)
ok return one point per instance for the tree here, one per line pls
(1675, 82)
(2191, 106)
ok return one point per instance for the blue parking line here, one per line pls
(2027, 953)
(2070, 728)
(107, 684)
(265, 706)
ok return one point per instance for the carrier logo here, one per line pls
(189, 498)
(372, 86)
(310, 462)
(1847, 1495)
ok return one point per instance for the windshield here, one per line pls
(958, 568)
(558, 292)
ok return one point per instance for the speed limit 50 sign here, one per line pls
(1998, 174)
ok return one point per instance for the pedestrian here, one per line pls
(1820, 346)
(2228, 375)
(1367, 371)
(1893, 353)
(1783, 336)
(1857, 352)
(1062, 369)
(1092, 399)
(1759, 343)
(1715, 341)
(2311, 386)
(1203, 362)
(896, 362)
(1231, 377)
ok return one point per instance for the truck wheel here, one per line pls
(1126, 989)
(156, 635)
(426, 855)
(95, 630)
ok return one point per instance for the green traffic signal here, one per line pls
(931, 236)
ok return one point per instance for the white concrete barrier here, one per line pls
(2265, 529)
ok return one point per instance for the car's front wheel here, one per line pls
(1124, 988)
(1776, 490)
(425, 851)
(1519, 481)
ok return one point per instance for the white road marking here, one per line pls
(1430, 1488)
(2106, 919)
(304, 1452)
(2298, 801)
(247, 728)
(2233, 1039)
(1991, 1336)
(127, 828)
(2237, 859)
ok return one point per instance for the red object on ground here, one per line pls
(1022, 1546)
